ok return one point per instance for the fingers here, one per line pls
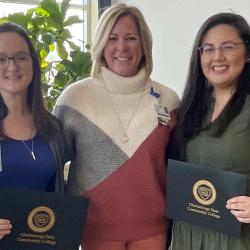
(241, 215)
(237, 206)
(239, 199)
(238, 203)
(240, 207)
(5, 227)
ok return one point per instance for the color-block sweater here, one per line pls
(125, 181)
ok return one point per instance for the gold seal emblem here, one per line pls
(204, 192)
(41, 219)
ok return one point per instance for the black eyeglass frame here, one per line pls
(200, 48)
(14, 58)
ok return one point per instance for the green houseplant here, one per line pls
(48, 27)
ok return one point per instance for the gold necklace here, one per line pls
(125, 137)
(28, 148)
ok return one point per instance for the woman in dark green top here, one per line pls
(214, 122)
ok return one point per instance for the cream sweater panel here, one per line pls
(129, 99)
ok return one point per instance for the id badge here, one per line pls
(163, 115)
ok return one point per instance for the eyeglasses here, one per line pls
(209, 49)
(20, 59)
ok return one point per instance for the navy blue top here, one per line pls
(20, 170)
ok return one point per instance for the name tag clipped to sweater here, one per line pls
(163, 115)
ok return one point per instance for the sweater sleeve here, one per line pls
(61, 112)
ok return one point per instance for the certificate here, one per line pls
(198, 194)
(42, 220)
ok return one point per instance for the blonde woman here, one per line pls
(118, 124)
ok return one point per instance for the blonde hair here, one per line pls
(106, 24)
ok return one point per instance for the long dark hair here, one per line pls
(194, 108)
(34, 96)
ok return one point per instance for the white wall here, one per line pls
(174, 24)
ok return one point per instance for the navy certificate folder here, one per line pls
(198, 194)
(42, 220)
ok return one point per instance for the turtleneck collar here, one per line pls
(121, 84)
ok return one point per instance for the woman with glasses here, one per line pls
(31, 143)
(214, 122)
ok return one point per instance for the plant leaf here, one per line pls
(82, 61)
(52, 47)
(61, 50)
(48, 38)
(64, 8)
(73, 45)
(52, 7)
(30, 12)
(61, 79)
(39, 20)
(65, 34)
(18, 18)
(4, 19)
(68, 65)
(41, 11)
(72, 20)
(87, 46)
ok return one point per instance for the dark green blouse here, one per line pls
(230, 151)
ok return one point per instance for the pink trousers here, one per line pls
(156, 242)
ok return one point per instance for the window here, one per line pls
(80, 32)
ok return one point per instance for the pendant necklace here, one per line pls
(125, 137)
(31, 150)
